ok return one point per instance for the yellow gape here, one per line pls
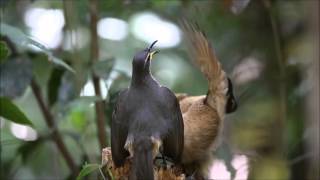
(152, 53)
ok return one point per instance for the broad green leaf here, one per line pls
(103, 68)
(58, 61)
(15, 34)
(78, 118)
(53, 85)
(16, 75)
(28, 148)
(120, 82)
(22, 40)
(4, 51)
(87, 169)
(11, 112)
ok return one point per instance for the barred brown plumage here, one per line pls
(203, 115)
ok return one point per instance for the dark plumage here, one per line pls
(146, 117)
(232, 104)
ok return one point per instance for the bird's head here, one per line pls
(232, 104)
(141, 60)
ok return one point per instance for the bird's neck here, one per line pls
(141, 78)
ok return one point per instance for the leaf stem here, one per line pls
(48, 117)
(99, 105)
(281, 64)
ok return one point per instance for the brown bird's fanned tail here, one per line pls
(203, 55)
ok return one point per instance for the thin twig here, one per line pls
(99, 105)
(71, 19)
(281, 66)
(48, 117)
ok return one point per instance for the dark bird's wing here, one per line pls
(119, 130)
(173, 142)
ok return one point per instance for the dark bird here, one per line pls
(146, 117)
(204, 115)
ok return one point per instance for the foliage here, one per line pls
(11, 112)
(23, 41)
(4, 51)
(16, 74)
(87, 169)
(246, 41)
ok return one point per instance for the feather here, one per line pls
(204, 57)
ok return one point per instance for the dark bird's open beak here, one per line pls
(151, 46)
(151, 53)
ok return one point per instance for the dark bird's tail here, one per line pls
(142, 159)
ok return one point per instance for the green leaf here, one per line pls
(103, 68)
(87, 169)
(53, 85)
(28, 148)
(15, 35)
(11, 112)
(119, 82)
(15, 76)
(67, 89)
(78, 118)
(60, 62)
(4, 51)
(22, 40)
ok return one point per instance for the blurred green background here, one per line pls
(269, 48)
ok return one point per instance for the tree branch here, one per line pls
(48, 117)
(99, 105)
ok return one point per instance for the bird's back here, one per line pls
(147, 111)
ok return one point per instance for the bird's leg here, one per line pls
(164, 163)
(191, 177)
(160, 161)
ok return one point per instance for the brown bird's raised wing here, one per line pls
(119, 131)
(203, 55)
(174, 141)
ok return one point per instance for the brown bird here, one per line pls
(203, 116)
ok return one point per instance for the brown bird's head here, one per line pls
(232, 104)
(141, 61)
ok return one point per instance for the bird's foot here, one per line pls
(163, 162)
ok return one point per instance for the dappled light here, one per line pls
(219, 170)
(53, 21)
(118, 32)
(25, 133)
(148, 27)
